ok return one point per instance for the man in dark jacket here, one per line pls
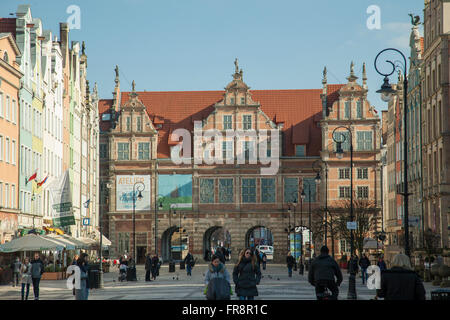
(323, 272)
(220, 255)
(37, 269)
(364, 263)
(189, 263)
(290, 261)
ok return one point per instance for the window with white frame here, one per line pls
(344, 173)
(227, 122)
(7, 150)
(363, 192)
(344, 192)
(7, 109)
(1, 104)
(246, 122)
(363, 173)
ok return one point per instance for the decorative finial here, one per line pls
(117, 74)
(352, 69)
(236, 64)
(324, 75)
(133, 85)
(415, 20)
(364, 76)
(83, 47)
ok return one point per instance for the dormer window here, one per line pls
(359, 113)
(242, 100)
(231, 101)
(128, 123)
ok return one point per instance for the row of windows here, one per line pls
(27, 200)
(52, 163)
(138, 124)
(228, 122)
(53, 125)
(362, 192)
(8, 150)
(30, 160)
(7, 108)
(7, 195)
(362, 173)
(348, 108)
(249, 190)
(123, 151)
(364, 140)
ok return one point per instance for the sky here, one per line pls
(188, 45)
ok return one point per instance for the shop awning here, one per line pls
(31, 242)
(52, 229)
(105, 241)
(79, 244)
(69, 245)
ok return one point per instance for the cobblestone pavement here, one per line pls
(275, 285)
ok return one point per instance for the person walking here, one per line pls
(154, 266)
(381, 264)
(246, 275)
(401, 282)
(264, 260)
(217, 281)
(290, 263)
(189, 263)
(15, 267)
(364, 263)
(322, 273)
(148, 267)
(80, 294)
(25, 278)
(220, 255)
(37, 269)
(85, 268)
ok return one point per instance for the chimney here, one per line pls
(64, 36)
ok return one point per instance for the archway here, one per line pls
(215, 237)
(259, 236)
(174, 245)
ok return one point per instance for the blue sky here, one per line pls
(191, 44)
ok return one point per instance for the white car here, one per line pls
(268, 250)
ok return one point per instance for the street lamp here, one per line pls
(139, 183)
(180, 230)
(302, 197)
(160, 207)
(309, 222)
(100, 274)
(318, 180)
(387, 92)
(339, 154)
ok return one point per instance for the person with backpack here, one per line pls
(217, 280)
(25, 278)
(322, 273)
(15, 267)
(246, 275)
(37, 269)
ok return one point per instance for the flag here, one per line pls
(86, 204)
(42, 182)
(31, 178)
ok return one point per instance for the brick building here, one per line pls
(139, 139)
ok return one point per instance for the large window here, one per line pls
(227, 150)
(364, 140)
(344, 192)
(247, 122)
(124, 242)
(300, 151)
(226, 191)
(344, 137)
(363, 192)
(227, 122)
(123, 151)
(206, 190)
(103, 150)
(347, 109)
(144, 150)
(344, 173)
(309, 183)
(363, 173)
(359, 112)
(139, 124)
(268, 190)
(128, 123)
(248, 190)
(290, 189)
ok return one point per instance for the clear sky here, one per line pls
(181, 45)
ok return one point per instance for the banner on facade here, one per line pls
(176, 191)
(62, 202)
(124, 192)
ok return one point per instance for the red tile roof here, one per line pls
(299, 110)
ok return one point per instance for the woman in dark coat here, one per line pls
(148, 267)
(246, 275)
(400, 282)
(290, 263)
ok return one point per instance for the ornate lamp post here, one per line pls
(139, 196)
(351, 295)
(317, 168)
(160, 207)
(180, 230)
(387, 92)
(309, 220)
(100, 274)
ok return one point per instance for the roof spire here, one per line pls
(236, 64)
(352, 76)
(117, 74)
(364, 78)
(324, 79)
